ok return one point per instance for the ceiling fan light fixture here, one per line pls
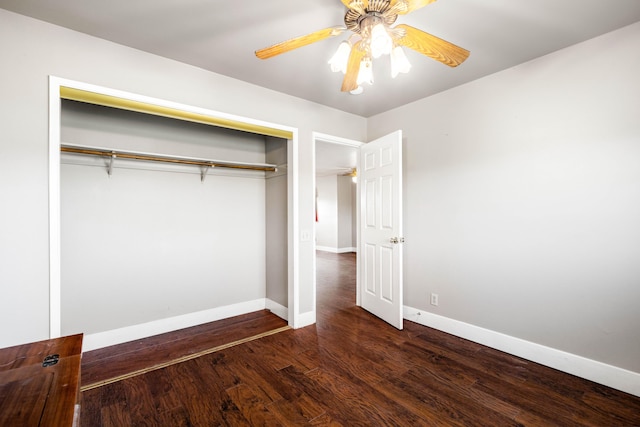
(365, 75)
(354, 175)
(339, 60)
(399, 62)
(373, 34)
(380, 42)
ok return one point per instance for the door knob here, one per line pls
(396, 240)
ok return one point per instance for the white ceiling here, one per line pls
(222, 36)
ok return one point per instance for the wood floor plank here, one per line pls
(251, 406)
(617, 407)
(279, 353)
(431, 411)
(140, 400)
(299, 411)
(171, 410)
(462, 378)
(115, 415)
(338, 409)
(169, 339)
(249, 373)
(455, 406)
(432, 345)
(100, 365)
(349, 369)
(547, 405)
(367, 400)
(91, 405)
(201, 393)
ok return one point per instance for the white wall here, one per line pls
(327, 224)
(147, 245)
(521, 200)
(334, 228)
(32, 51)
(346, 213)
(277, 223)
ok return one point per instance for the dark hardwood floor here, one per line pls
(120, 361)
(348, 369)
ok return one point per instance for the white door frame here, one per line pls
(55, 83)
(317, 136)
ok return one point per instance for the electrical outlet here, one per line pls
(434, 299)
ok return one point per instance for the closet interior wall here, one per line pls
(277, 223)
(153, 241)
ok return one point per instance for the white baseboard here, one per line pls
(346, 250)
(335, 250)
(143, 330)
(611, 376)
(304, 319)
(277, 309)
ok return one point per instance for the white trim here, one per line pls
(101, 90)
(277, 309)
(306, 319)
(335, 250)
(55, 303)
(592, 370)
(317, 136)
(161, 326)
(54, 188)
(293, 247)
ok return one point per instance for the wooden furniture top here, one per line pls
(39, 382)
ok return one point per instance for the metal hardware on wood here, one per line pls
(50, 360)
(396, 240)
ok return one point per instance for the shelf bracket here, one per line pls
(204, 170)
(110, 166)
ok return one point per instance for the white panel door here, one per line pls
(381, 238)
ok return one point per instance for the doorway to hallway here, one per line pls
(335, 284)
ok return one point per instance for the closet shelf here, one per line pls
(152, 157)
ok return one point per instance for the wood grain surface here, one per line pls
(351, 369)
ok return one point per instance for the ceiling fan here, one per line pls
(353, 173)
(372, 36)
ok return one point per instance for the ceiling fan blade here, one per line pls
(350, 81)
(297, 42)
(409, 5)
(431, 46)
(356, 4)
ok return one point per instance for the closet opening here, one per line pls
(164, 222)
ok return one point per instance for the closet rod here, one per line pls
(105, 152)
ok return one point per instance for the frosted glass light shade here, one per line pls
(365, 75)
(399, 62)
(338, 61)
(381, 42)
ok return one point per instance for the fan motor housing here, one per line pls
(375, 10)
